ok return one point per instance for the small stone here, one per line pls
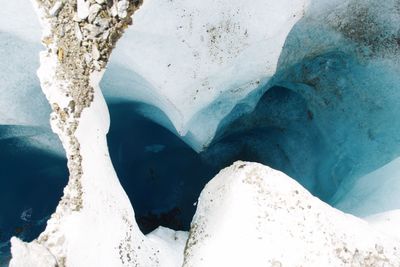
(114, 10)
(106, 34)
(78, 32)
(47, 40)
(122, 8)
(71, 105)
(60, 54)
(92, 30)
(53, 12)
(93, 11)
(95, 52)
(76, 19)
(83, 9)
(88, 58)
(96, 65)
(62, 32)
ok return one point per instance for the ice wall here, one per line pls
(344, 60)
(329, 114)
(373, 193)
(33, 168)
(185, 62)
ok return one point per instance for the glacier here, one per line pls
(305, 87)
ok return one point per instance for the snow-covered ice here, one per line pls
(252, 215)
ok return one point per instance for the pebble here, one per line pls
(78, 32)
(56, 8)
(122, 8)
(83, 9)
(95, 52)
(92, 31)
(93, 11)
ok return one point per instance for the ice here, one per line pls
(19, 18)
(330, 112)
(344, 61)
(33, 168)
(234, 81)
(184, 63)
(373, 193)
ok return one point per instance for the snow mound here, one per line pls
(252, 215)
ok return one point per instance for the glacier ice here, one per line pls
(347, 71)
(184, 63)
(33, 168)
(370, 194)
(317, 101)
(329, 113)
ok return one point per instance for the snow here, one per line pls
(31, 254)
(386, 222)
(252, 215)
(171, 244)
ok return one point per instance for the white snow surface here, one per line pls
(252, 215)
(386, 222)
(171, 243)
(31, 254)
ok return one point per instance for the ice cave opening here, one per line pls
(318, 143)
(160, 173)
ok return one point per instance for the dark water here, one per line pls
(162, 175)
(31, 184)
